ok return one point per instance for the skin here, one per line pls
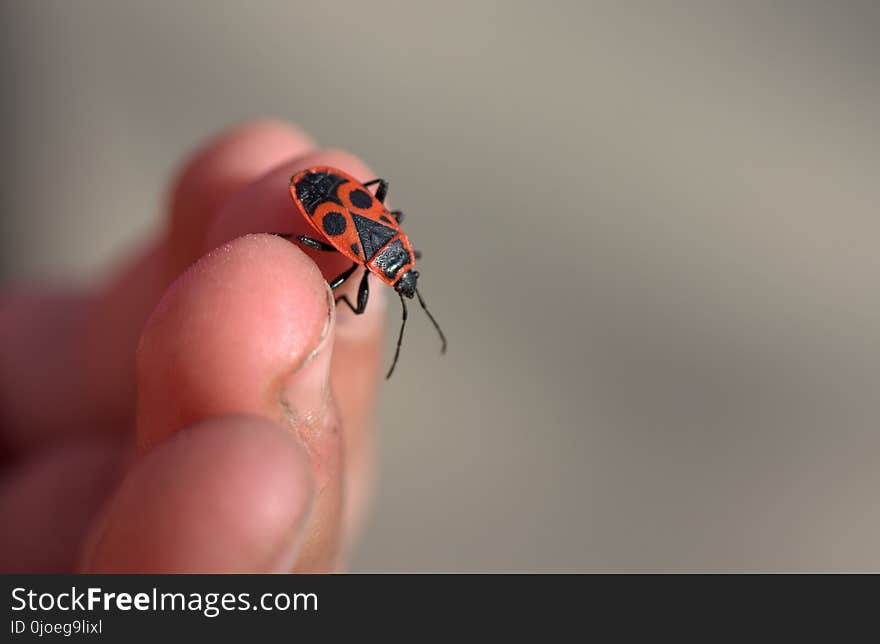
(206, 409)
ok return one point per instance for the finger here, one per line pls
(220, 169)
(48, 501)
(230, 494)
(215, 172)
(248, 330)
(78, 350)
(266, 205)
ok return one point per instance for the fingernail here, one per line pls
(305, 392)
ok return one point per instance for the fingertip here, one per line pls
(229, 494)
(221, 167)
(226, 333)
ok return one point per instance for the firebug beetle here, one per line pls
(355, 222)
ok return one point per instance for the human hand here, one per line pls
(207, 417)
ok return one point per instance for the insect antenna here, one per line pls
(399, 339)
(436, 326)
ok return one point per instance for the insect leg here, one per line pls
(417, 254)
(363, 292)
(314, 243)
(340, 279)
(381, 191)
(308, 241)
(398, 215)
(399, 339)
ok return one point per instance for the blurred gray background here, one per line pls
(650, 233)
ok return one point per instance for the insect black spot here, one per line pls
(356, 249)
(360, 198)
(333, 223)
(385, 219)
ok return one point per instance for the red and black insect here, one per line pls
(357, 224)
